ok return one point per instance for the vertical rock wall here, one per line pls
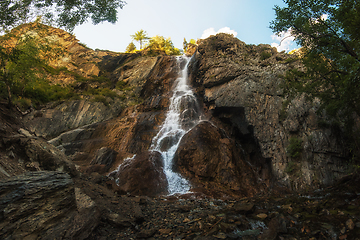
(241, 86)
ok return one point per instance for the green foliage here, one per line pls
(66, 14)
(192, 41)
(295, 147)
(328, 31)
(141, 37)
(101, 99)
(185, 45)
(265, 55)
(130, 48)
(283, 113)
(159, 44)
(22, 57)
(290, 167)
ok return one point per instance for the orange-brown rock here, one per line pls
(143, 175)
(209, 159)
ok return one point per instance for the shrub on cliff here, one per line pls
(160, 45)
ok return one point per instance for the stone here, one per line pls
(143, 175)
(146, 233)
(104, 156)
(262, 216)
(24, 132)
(350, 224)
(209, 159)
(220, 235)
(47, 157)
(243, 207)
(30, 203)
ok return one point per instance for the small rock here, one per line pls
(220, 235)
(24, 132)
(262, 216)
(186, 220)
(146, 233)
(350, 224)
(83, 200)
(287, 207)
(343, 237)
(357, 224)
(164, 231)
(242, 207)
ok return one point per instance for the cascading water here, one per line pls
(183, 114)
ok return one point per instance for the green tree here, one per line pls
(21, 57)
(159, 44)
(64, 14)
(130, 48)
(185, 45)
(140, 36)
(328, 31)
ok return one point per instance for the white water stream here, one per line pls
(183, 114)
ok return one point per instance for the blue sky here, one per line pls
(179, 19)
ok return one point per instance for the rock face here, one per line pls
(240, 85)
(29, 153)
(51, 121)
(53, 195)
(210, 160)
(142, 175)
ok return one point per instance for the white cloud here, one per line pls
(211, 31)
(283, 42)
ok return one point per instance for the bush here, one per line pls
(159, 44)
(295, 147)
(101, 99)
(265, 55)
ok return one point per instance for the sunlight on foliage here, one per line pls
(159, 44)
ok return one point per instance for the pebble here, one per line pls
(220, 235)
(350, 224)
(262, 216)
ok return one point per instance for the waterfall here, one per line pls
(183, 114)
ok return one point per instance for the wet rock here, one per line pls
(143, 175)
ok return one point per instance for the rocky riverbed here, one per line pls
(85, 208)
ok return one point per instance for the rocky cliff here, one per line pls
(57, 162)
(279, 140)
(241, 86)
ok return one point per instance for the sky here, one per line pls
(248, 20)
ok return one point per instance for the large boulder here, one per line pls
(44, 205)
(35, 154)
(143, 175)
(210, 160)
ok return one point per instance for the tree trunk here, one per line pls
(9, 96)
